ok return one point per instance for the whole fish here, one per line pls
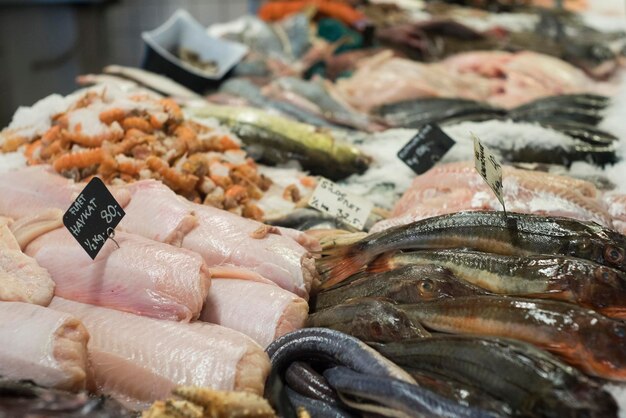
(581, 337)
(306, 381)
(551, 277)
(329, 347)
(406, 284)
(369, 319)
(279, 140)
(392, 397)
(419, 112)
(531, 381)
(315, 407)
(585, 108)
(510, 234)
(244, 88)
(333, 110)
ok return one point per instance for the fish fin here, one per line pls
(342, 263)
(381, 264)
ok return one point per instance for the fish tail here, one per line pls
(381, 264)
(342, 263)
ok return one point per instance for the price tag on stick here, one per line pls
(329, 198)
(426, 148)
(93, 216)
(489, 168)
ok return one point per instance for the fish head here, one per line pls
(606, 345)
(605, 290)
(615, 255)
(596, 59)
(379, 320)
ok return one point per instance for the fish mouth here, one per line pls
(603, 70)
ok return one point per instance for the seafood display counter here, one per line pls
(386, 208)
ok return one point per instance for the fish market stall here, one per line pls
(327, 209)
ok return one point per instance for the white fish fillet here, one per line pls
(155, 212)
(31, 190)
(261, 311)
(139, 360)
(42, 345)
(142, 276)
(225, 238)
(21, 277)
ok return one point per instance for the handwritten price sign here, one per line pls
(93, 216)
(329, 198)
(489, 168)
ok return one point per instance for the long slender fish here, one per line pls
(531, 381)
(369, 319)
(388, 395)
(406, 284)
(306, 381)
(325, 345)
(512, 234)
(315, 407)
(581, 337)
(571, 279)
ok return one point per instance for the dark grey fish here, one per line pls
(511, 234)
(315, 407)
(406, 284)
(369, 319)
(377, 394)
(531, 381)
(329, 347)
(25, 399)
(303, 379)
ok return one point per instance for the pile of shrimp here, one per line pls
(139, 136)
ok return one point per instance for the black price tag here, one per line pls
(426, 148)
(93, 216)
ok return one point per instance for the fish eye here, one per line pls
(426, 285)
(620, 331)
(614, 255)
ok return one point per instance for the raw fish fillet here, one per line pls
(31, 190)
(261, 311)
(138, 360)
(223, 238)
(455, 187)
(142, 276)
(155, 212)
(42, 345)
(21, 278)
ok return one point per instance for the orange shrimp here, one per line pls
(227, 143)
(158, 120)
(137, 122)
(131, 166)
(252, 211)
(82, 159)
(12, 143)
(52, 149)
(292, 193)
(51, 135)
(114, 114)
(133, 138)
(92, 141)
(308, 181)
(177, 181)
(30, 151)
(61, 120)
(172, 108)
(188, 136)
(223, 181)
(234, 195)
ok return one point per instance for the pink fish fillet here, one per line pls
(21, 277)
(29, 191)
(261, 311)
(42, 345)
(139, 360)
(225, 238)
(142, 276)
(155, 212)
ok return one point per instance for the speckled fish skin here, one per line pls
(511, 234)
(531, 381)
(369, 319)
(395, 395)
(138, 360)
(408, 283)
(581, 337)
(42, 345)
(566, 278)
(142, 276)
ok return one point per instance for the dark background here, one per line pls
(44, 45)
